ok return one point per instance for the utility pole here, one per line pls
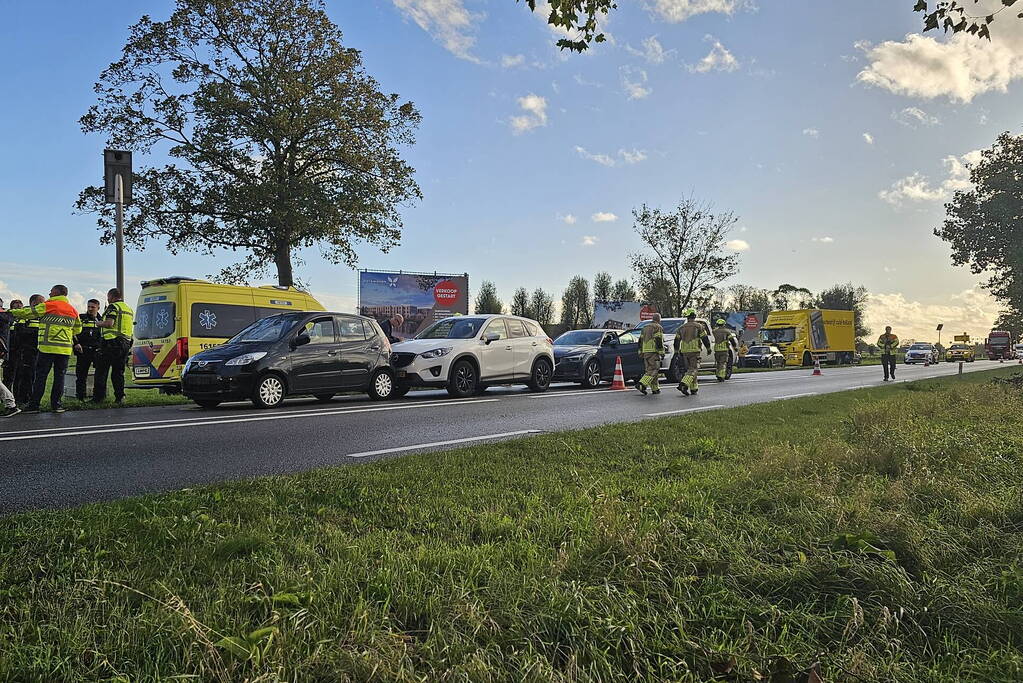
(117, 185)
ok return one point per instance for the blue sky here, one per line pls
(833, 135)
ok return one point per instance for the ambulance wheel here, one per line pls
(207, 405)
(269, 391)
(324, 398)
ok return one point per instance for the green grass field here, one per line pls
(875, 533)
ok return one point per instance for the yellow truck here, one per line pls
(808, 335)
(179, 316)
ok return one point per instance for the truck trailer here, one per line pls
(998, 345)
(810, 335)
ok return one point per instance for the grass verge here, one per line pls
(875, 532)
(133, 398)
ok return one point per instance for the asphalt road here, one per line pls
(59, 461)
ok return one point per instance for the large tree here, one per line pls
(687, 252)
(278, 139)
(602, 286)
(846, 297)
(623, 291)
(984, 224)
(541, 305)
(576, 304)
(791, 297)
(520, 303)
(487, 300)
(748, 298)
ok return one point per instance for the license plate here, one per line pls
(401, 373)
(141, 372)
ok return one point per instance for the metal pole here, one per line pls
(119, 229)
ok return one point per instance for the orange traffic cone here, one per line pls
(619, 381)
(817, 368)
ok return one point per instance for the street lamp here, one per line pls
(940, 325)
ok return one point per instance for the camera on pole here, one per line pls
(117, 163)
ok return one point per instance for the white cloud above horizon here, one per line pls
(918, 187)
(603, 217)
(510, 61)
(534, 114)
(973, 311)
(634, 82)
(718, 59)
(676, 11)
(823, 240)
(811, 132)
(868, 138)
(589, 240)
(626, 156)
(652, 51)
(737, 245)
(568, 219)
(447, 21)
(915, 116)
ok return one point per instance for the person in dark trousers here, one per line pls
(86, 347)
(28, 352)
(390, 325)
(58, 325)
(888, 343)
(10, 406)
(10, 362)
(117, 329)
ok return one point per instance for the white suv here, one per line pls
(467, 353)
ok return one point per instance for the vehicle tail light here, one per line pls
(182, 349)
(550, 341)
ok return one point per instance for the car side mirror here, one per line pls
(491, 337)
(300, 340)
(613, 341)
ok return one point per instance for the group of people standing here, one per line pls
(40, 338)
(689, 339)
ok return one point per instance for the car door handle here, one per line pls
(507, 348)
(333, 353)
(375, 347)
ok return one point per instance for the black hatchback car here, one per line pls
(764, 357)
(311, 353)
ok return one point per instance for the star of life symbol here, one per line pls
(208, 319)
(162, 319)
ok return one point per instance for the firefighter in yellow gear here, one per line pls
(651, 350)
(688, 340)
(725, 342)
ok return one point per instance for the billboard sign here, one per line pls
(620, 315)
(419, 298)
(747, 324)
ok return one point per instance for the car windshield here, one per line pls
(783, 335)
(958, 347)
(580, 338)
(920, 347)
(267, 330)
(670, 326)
(754, 350)
(453, 328)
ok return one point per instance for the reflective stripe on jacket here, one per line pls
(651, 339)
(888, 343)
(58, 324)
(723, 338)
(690, 336)
(124, 319)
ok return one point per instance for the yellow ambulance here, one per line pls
(179, 316)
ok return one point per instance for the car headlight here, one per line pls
(188, 364)
(246, 358)
(437, 353)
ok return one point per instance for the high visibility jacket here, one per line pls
(58, 324)
(90, 335)
(651, 339)
(724, 338)
(888, 343)
(690, 336)
(124, 320)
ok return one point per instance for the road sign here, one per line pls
(751, 322)
(117, 162)
(961, 338)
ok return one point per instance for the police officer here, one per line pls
(86, 347)
(12, 359)
(724, 343)
(116, 330)
(688, 340)
(888, 343)
(28, 352)
(651, 350)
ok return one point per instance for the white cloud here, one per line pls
(535, 114)
(823, 240)
(811, 132)
(737, 245)
(674, 11)
(509, 61)
(889, 269)
(602, 159)
(959, 68)
(447, 21)
(653, 52)
(634, 82)
(915, 116)
(868, 138)
(578, 78)
(972, 311)
(589, 240)
(603, 217)
(918, 188)
(718, 59)
(342, 303)
(567, 219)
(632, 156)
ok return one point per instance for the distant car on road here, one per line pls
(318, 354)
(588, 356)
(1018, 349)
(466, 354)
(961, 352)
(921, 353)
(764, 357)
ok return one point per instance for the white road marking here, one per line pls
(435, 444)
(237, 419)
(808, 393)
(585, 392)
(684, 410)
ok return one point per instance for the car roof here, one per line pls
(593, 329)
